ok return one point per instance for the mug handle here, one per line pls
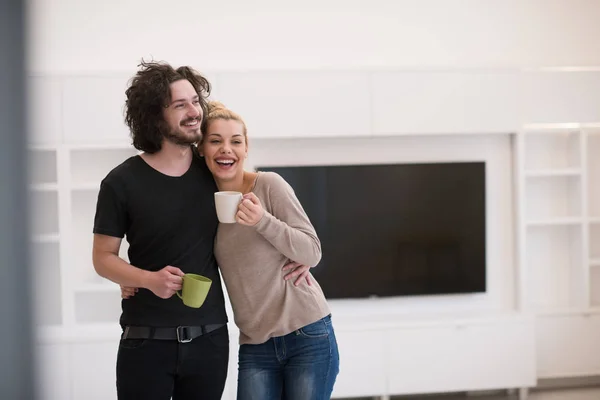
(180, 290)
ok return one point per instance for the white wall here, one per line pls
(71, 36)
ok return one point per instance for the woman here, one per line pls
(288, 348)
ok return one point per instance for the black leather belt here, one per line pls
(183, 334)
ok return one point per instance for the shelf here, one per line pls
(594, 220)
(46, 238)
(103, 287)
(595, 262)
(548, 173)
(555, 222)
(568, 311)
(552, 128)
(112, 145)
(42, 147)
(94, 186)
(43, 187)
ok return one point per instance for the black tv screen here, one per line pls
(395, 230)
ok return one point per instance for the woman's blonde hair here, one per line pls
(217, 110)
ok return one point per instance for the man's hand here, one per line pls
(165, 282)
(298, 271)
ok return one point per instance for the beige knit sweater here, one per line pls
(251, 259)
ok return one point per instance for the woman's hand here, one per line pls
(250, 211)
(298, 272)
(127, 292)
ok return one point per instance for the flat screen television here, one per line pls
(395, 230)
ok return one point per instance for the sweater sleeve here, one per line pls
(286, 226)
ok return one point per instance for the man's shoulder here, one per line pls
(124, 171)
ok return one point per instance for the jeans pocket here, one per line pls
(132, 343)
(315, 330)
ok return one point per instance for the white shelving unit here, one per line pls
(44, 244)
(64, 183)
(558, 170)
(593, 177)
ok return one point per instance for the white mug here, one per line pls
(227, 204)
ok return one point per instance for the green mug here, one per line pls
(194, 290)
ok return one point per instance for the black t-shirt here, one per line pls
(166, 221)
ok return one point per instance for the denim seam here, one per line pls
(325, 387)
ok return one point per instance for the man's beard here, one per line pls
(181, 138)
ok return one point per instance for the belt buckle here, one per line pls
(181, 335)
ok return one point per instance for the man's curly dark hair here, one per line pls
(149, 93)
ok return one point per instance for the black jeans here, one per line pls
(149, 369)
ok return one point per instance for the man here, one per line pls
(162, 201)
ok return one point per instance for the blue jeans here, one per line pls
(302, 365)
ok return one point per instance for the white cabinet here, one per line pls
(44, 252)
(470, 355)
(557, 225)
(593, 207)
(559, 235)
(568, 345)
(64, 181)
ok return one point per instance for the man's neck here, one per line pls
(171, 159)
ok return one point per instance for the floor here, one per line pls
(591, 393)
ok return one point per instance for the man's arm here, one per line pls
(107, 263)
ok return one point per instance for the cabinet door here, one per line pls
(461, 357)
(568, 345)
